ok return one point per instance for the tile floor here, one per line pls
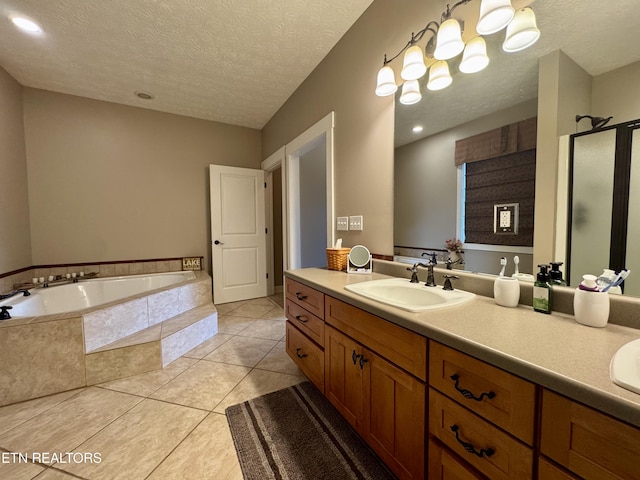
(167, 424)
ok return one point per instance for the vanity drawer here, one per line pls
(587, 442)
(503, 457)
(444, 466)
(405, 348)
(308, 298)
(307, 355)
(548, 471)
(306, 321)
(501, 397)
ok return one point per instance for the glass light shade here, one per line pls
(410, 92)
(475, 56)
(413, 67)
(522, 32)
(449, 41)
(386, 82)
(494, 16)
(439, 76)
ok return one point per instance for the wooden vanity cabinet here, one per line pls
(304, 308)
(482, 413)
(587, 442)
(383, 402)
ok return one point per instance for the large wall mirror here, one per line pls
(428, 209)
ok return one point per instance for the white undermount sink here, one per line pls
(625, 366)
(413, 297)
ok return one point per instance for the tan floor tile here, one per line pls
(133, 445)
(225, 308)
(147, 383)
(246, 351)
(230, 324)
(277, 360)
(203, 385)
(65, 426)
(208, 452)
(13, 415)
(252, 310)
(257, 383)
(15, 469)
(208, 346)
(54, 474)
(269, 329)
(276, 313)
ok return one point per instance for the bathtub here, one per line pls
(90, 293)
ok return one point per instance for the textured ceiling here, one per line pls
(599, 36)
(231, 61)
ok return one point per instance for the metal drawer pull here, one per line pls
(467, 394)
(300, 296)
(301, 318)
(300, 355)
(362, 361)
(354, 357)
(470, 448)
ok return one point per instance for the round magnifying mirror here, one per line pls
(359, 256)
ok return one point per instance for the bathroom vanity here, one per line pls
(467, 392)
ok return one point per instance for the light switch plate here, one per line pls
(342, 223)
(355, 222)
(505, 219)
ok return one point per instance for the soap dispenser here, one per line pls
(555, 275)
(542, 291)
(590, 304)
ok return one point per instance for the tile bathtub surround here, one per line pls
(166, 424)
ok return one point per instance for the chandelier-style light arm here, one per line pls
(432, 27)
(449, 11)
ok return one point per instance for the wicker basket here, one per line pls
(337, 258)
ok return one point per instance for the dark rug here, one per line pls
(296, 434)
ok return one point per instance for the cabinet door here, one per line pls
(394, 416)
(343, 375)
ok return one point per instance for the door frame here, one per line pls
(287, 157)
(322, 131)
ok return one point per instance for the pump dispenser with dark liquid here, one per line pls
(542, 291)
(555, 275)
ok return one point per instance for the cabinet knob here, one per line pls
(300, 355)
(301, 318)
(362, 361)
(300, 296)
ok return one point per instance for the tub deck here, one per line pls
(48, 354)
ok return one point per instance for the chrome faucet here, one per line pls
(24, 291)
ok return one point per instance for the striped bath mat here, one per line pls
(296, 434)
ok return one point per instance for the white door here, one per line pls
(237, 233)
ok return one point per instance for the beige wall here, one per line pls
(616, 93)
(112, 182)
(15, 237)
(344, 82)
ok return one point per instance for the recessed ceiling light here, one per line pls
(26, 25)
(417, 129)
(144, 95)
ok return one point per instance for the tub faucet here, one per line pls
(24, 291)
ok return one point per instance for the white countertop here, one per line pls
(551, 350)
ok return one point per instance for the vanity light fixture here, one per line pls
(446, 43)
(26, 24)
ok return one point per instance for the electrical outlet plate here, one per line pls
(355, 222)
(342, 223)
(505, 219)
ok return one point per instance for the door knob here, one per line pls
(218, 242)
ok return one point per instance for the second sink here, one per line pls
(413, 297)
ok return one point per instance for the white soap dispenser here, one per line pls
(590, 305)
